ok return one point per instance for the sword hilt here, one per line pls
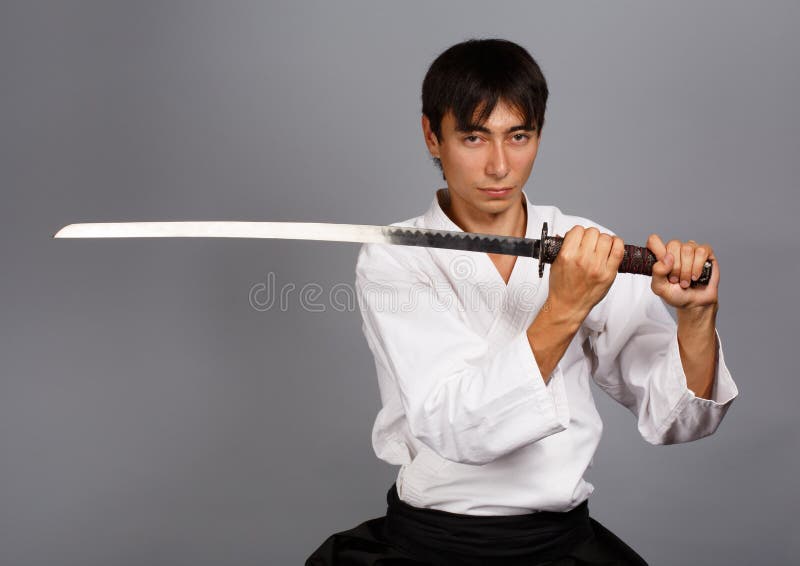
(636, 259)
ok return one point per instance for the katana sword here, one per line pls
(636, 259)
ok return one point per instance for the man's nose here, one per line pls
(497, 164)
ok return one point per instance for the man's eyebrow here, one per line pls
(485, 130)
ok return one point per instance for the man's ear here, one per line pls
(430, 138)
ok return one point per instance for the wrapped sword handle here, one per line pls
(637, 259)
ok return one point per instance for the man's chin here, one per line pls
(495, 206)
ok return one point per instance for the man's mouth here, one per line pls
(496, 191)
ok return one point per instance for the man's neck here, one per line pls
(511, 222)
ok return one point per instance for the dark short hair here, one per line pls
(473, 76)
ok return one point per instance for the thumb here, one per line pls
(661, 270)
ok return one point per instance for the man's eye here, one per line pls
(471, 139)
(521, 137)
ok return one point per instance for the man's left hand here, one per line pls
(678, 264)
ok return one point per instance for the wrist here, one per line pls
(556, 313)
(698, 315)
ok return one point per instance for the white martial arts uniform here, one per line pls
(466, 413)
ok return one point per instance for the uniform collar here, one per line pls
(436, 218)
(522, 294)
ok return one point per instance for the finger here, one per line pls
(714, 281)
(663, 267)
(572, 240)
(661, 270)
(700, 256)
(655, 245)
(602, 250)
(687, 263)
(589, 241)
(674, 248)
(616, 254)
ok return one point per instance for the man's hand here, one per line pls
(678, 263)
(580, 277)
(584, 269)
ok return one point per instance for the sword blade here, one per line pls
(357, 233)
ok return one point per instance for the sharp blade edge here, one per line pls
(357, 233)
(467, 241)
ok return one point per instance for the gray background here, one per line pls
(150, 415)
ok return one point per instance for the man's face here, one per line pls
(498, 154)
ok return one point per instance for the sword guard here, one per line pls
(637, 259)
(544, 250)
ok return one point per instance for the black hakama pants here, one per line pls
(410, 536)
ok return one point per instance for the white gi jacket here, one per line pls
(466, 414)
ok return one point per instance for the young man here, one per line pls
(484, 369)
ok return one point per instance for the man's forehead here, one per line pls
(509, 119)
(513, 124)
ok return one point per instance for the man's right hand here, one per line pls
(580, 277)
(583, 271)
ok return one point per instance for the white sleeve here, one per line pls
(467, 402)
(639, 365)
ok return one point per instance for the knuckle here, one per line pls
(687, 249)
(574, 234)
